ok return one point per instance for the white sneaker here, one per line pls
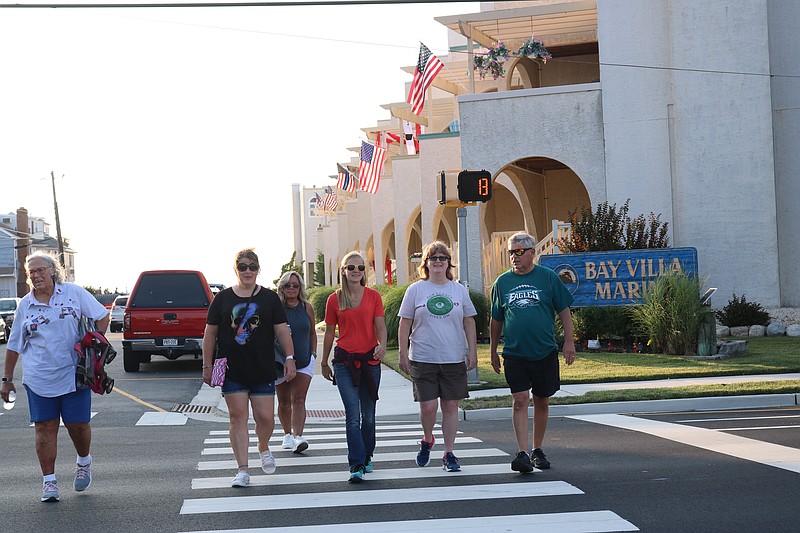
(242, 479)
(288, 442)
(300, 444)
(267, 462)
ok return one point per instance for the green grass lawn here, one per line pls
(767, 355)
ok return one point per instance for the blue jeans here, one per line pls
(359, 408)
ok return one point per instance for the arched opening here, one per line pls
(532, 194)
(523, 73)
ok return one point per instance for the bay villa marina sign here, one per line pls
(619, 277)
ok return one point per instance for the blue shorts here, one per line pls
(73, 407)
(258, 389)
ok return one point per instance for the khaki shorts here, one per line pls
(446, 381)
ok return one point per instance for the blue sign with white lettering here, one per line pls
(618, 277)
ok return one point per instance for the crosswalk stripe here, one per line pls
(330, 436)
(577, 522)
(432, 471)
(334, 446)
(333, 427)
(377, 497)
(315, 460)
(748, 449)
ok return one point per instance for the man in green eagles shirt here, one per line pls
(525, 301)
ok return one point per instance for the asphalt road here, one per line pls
(721, 471)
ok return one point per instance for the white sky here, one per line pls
(178, 132)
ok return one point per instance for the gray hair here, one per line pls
(286, 278)
(59, 276)
(527, 241)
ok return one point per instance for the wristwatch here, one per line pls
(10, 380)
(290, 358)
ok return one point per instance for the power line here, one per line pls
(286, 3)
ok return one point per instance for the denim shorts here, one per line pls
(73, 407)
(256, 389)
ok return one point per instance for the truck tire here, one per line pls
(130, 361)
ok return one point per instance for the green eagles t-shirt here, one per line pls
(527, 304)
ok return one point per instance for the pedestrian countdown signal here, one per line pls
(465, 187)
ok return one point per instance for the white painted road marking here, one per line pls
(311, 500)
(766, 453)
(579, 522)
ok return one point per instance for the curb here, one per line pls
(648, 406)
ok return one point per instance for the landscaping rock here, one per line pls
(723, 331)
(793, 330)
(776, 330)
(757, 331)
(740, 331)
(731, 348)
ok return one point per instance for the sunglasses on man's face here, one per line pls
(241, 267)
(361, 268)
(519, 252)
(442, 258)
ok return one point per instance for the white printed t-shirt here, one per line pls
(45, 335)
(437, 311)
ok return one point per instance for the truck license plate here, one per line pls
(170, 342)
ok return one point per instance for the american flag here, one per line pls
(370, 167)
(428, 67)
(331, 201)
(346, 181)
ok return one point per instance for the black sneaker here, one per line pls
(539, 459)
(424, 453)
(522, 463)
(450, 462)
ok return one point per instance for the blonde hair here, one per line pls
(435, 248)
(59, 276)
(343, 292)
(287, 276)
(247, 253)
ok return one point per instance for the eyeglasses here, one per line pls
(242, 267)
(519, 252)
(292, 286)
(361, 268)
(441, 258)
(40, 271)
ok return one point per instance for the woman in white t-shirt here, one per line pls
(438, 316)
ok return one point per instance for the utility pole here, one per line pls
(58, 223)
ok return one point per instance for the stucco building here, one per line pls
(690, 109)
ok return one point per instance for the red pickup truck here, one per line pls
(166, 315)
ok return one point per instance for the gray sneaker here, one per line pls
(267, 462)
(50, 491)
(83, 477)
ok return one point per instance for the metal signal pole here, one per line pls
(58, 223)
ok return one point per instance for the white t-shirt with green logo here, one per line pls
(437, 311)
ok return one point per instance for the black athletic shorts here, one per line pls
(541, 376)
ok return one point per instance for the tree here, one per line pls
(289, 266)
(319, 270)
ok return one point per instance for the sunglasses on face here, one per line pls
(361, 268)
(241, 267)
(40, 271)
(519, 252)
(441, 258)
(292, 286)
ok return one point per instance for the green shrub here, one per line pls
(740, 312)
(671, 313)
(318, 297)
(392, 299)
(603, 323)
(483, 308)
